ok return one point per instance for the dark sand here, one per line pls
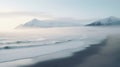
(106, 54)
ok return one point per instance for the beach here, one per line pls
(59, 33)
(105, 54)
(89, 47)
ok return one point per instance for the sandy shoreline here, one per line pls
(72, 61)
(106, 54)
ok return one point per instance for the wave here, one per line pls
(16, 42)
(55, 47)
(19, 42)
(9, 45)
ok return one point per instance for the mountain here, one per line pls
(35, 23)
(106, 22)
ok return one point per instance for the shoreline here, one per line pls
(105, 54)
(74, 60)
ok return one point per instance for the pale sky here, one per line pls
(15, 12)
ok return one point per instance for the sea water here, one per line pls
(29, 43)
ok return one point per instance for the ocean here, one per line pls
(20, 46)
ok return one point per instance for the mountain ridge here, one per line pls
(36, 23)
(106, 22)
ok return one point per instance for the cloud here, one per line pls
(40, 15)
(31, 14)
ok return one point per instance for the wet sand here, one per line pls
(106, 54)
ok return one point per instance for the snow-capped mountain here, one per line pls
(58, 23)
(106, 22)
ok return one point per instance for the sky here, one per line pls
(15, 12)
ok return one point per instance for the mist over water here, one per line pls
(26, 36)
(27, 43)
(45, 36)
